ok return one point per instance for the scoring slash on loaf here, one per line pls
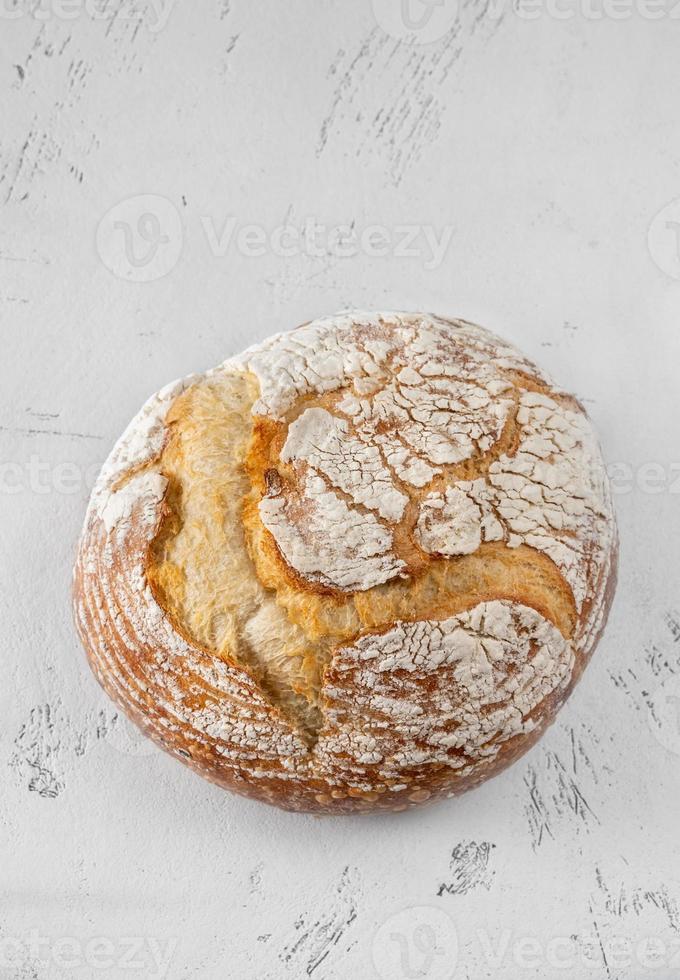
(358, 567)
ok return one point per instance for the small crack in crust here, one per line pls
(359, 566)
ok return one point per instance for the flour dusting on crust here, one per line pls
(446, 692)
(400, 444)
(325, 540)
(419, 397)
(552, 495)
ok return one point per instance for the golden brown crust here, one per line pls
(286, 687)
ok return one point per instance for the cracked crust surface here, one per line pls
(359, 566)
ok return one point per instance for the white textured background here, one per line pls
(541, 149)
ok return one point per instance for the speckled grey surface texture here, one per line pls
(181, 180)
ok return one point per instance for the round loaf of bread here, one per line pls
(360, 566)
